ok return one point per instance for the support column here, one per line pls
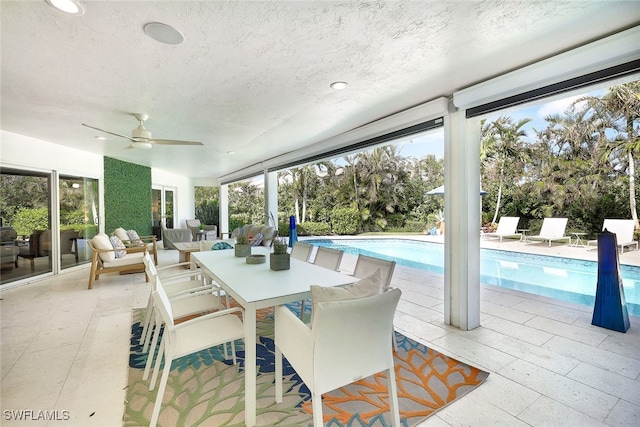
(271, 197)
(462, 219)
(224, 211)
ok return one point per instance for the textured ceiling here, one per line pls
(253, 77)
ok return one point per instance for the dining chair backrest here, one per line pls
(326, 360)
(162, 304)
(301, 251)
(328, 258)
(367, 265)
(149, 267)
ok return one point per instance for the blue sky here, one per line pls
(433, 143)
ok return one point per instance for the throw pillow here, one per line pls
(117, 244)
(369, 286)
(121, 233)
(135, 238)
(221, 245)
(257, 239)
(101, 242)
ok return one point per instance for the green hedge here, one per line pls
(28, 219)
(345, 220)
(313, 229)
(127, 196)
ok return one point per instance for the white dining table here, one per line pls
(256, 286)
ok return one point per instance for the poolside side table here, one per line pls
(578, 242)
(523, 235)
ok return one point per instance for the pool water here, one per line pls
(559, 278)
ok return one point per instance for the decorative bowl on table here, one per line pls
(256, 259)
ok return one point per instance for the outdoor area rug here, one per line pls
(207, 390)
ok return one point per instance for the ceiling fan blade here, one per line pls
(106, 131)
(173, 142)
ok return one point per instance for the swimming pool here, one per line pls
(559, 278)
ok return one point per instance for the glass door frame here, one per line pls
(164, 190)
(54, 177)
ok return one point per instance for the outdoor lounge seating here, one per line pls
(552, 231)
(131, 239)
(9, 256)
(39, 245)
(103, 259)
(623, 229)
(210, 231)
(250, 231)
(175, 235)
(506, 228)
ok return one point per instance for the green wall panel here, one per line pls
(127, 196)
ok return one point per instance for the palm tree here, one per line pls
(502, 145)
(619, 109)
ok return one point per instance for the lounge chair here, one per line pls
(552, 231)
(623, 229)
(506, 228)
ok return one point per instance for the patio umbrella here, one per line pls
(293, 233)
(440, 191)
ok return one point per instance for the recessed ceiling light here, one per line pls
(101, 138)
(67, 6)
(163, 33)
(339, 85)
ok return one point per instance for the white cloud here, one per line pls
(557, 107)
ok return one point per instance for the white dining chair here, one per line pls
(189, 337)
(327, 360)
(302, 251)
(328, 258)
(366, 265)
(184, 304)
(174, 283)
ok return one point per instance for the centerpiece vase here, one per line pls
(242, 250)
(279, 262)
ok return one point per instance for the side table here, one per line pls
(523, 235)
(578, 242)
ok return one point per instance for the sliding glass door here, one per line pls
(45, 222)
(25, 219)
(79, 213)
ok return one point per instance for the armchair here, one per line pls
(132, 240)
(326, 360)
(103, 259)
(194, 226)
(175, 235)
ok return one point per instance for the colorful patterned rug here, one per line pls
(207, 390)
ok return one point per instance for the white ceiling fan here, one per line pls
(141, 137)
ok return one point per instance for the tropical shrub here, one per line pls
(345, 220)
(28, 219)
(309, 228)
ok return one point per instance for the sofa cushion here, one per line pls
(117, 244)
(128, 259)
(121, 233)
(101, 242)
